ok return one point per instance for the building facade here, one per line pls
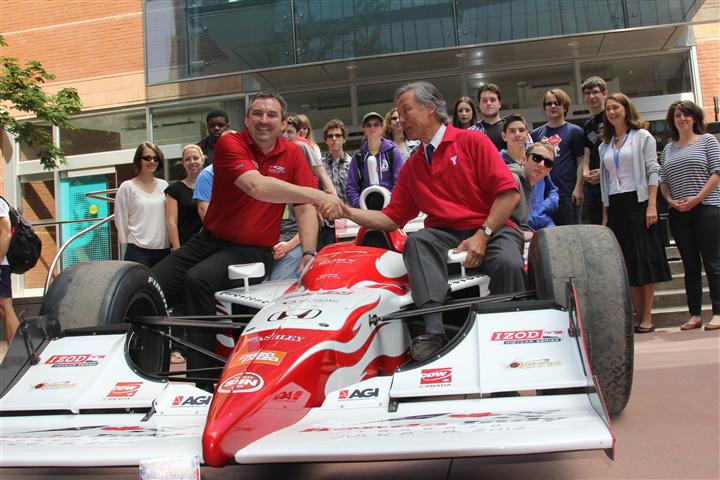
(152, 69)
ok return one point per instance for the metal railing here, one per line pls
(97, 195)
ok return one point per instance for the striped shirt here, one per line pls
(686, 169)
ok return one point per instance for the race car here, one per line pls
(320, 368)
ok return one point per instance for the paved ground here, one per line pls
(670, 430)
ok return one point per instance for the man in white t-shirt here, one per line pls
(7, 312)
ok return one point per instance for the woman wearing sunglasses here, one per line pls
(140, 209)
(629, 175)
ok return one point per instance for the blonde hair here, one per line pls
(192, 146)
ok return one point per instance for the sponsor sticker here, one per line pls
(436, 377)
(358, 394)
(191, 401)
(539, 363)
(123, 390)
(74, 360)
(289, 396)
(242, 383)
(61, 385)
(269, 357)
(276, 169)
(300, 314)
(276, 336)
(527, 336)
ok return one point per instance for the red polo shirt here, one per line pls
(234, 215)
(458, 189)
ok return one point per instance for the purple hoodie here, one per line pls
(387, 155)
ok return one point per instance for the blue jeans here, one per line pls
(567, 213)
(287, 267)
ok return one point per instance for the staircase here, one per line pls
(670, 305)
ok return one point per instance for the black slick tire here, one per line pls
(591, 256)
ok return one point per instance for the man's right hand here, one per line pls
(329, 206)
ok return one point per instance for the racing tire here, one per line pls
(108, 292)
(591, 256)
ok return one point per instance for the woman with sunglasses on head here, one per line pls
(629, 174)
(689, 181)
(464, 113)
(140, 209)
(388, 163)
(183, 220)
(393, 132)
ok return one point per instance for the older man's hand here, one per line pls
(476, 247)
(330, 206)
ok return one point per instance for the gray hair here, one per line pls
(273, 95)
(428, 95)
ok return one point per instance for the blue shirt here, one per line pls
(203, 185)
(569, 143)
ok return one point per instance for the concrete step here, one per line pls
(677, 283)
(676, 298)
(672, 253)
(676, 267)
(676, 316)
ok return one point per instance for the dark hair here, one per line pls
(334, 123)
(489, 87)
(560, 95)
(428, 95)
(217, 113)
(593, 82)
(468, 100)
(266, 95)
(139, 153)
(688, 108)
(513, 117)
(632, 117)
(292, 119)
(541, 144)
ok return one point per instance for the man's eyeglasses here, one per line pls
(540, 159)
(588, 93)
(551, 103)
(151, 158)
(334, 135)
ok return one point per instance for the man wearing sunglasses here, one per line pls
(569, 145)
(255, 174)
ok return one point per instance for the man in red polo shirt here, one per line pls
(460, 181)
(256, 173)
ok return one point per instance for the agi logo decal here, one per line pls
(269, 357)
(123, 390)
(358, 394)
(74, 360)
(242, 383)
(436, 377)
(191, 401)
(527, 336)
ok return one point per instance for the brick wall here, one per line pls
(708, 52)
(94, 46)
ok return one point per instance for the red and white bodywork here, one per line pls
(314, 377)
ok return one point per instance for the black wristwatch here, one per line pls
(310, 252)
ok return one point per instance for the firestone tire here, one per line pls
(107, 292)
(591, 256)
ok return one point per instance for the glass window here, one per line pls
(332, 29)
(166, 41)
(28, 152)
(104, 133)
(38, 203)
(483, 22)
(321, 106)
(525, 88)
(180, 125)
(644, 76)
(381, 97)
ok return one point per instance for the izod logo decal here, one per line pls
(242, 383)
(436, 377)
(527, 336)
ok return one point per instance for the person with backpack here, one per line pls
(389, 160)
(10, 320)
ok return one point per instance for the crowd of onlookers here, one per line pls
(609, 167)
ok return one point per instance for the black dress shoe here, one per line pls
(425, 346)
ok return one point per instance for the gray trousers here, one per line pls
(425, 256)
